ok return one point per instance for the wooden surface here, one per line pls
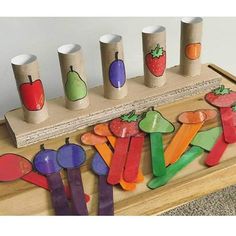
(196, 180)
(63, 121)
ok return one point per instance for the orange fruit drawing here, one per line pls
(193, 51)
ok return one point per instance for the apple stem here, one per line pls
(67, 140)
(30, 79)
(116, 56)
(42, 148)
(71, 68)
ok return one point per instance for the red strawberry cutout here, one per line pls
(156, 61)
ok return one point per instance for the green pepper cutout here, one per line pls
(204, 140)
(156, 125)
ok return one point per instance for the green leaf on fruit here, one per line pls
(157, 52)
(234, 108)
(130, 117)
(222, 90)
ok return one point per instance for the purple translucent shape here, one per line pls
(45, 162)
(98, 165)
(71, 156)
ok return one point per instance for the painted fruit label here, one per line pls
(75, 87)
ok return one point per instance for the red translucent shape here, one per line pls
(13, 167)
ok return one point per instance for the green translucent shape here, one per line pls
(75, 87)
(155, 122)
(173, 169)
(206, 139)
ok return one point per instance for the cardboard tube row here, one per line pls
(30, 88)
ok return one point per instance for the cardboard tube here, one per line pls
(113, 68)
(154, 55)
(190, 46)
(30, 88)
(73, 76)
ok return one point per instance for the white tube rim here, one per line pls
(153, 29)
(192, 20)
(110, 38)
(23, 59)
(69, 48)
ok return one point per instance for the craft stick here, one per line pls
(155, 124)
(224, 99)
(113, 68)
(71, 156)
(73, 76)
(106, 153)
(103, 130)
(41, 181)
(58, 196)
(190, 46)
(79, 206)
(154, 55)
(216, 152)
(118, 161)
(131, 169)
(173, 169)
(228, 124)
(30, 88)
(180, 142)
(106, 207)
(45, 161)
(157, 154)
(105, 190)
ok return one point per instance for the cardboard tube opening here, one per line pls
(154, 29)
(69, 48)
(192, 20)
(23, 59)
(110, 38)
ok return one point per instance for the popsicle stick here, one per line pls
(106, 154)
(79, 206)
(173, 169)
(131, 169)
(58, 194)
(118, 161)
(41, 181)
(216, 152)
(140, 176)
(157, 154)
(228, 124)
(106, 205)
(180, 142)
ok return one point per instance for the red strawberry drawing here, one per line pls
(221, 97)
(156, 61)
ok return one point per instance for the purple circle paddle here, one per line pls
(45, 161)
(106, 203)
(71, 156)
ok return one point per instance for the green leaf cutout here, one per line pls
(157, 52)
(206, 139)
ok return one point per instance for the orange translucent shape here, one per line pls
(102, 129)
(192, 117)
(180, 142)
(92, 139)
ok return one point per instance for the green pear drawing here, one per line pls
(75, 87)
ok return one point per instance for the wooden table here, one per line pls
(196, 180)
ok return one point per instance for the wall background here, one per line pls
(42, 37)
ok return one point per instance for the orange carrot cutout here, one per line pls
(192, 121)
(101, 146)
(103, 130)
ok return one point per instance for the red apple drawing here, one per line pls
(32, 94)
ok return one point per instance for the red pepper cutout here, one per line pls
(224, 98)
(214, 156)
(124, 128)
